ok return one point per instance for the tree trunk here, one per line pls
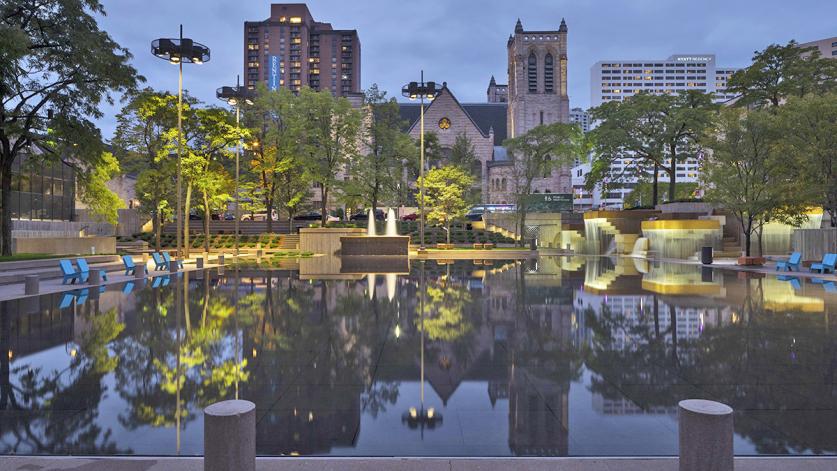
(206, 218)
(747, 237)
(268, 204)
(672, 181)
(158, 229)
(323, 204)
(6, 209)
(447, 229)
(760, 233)
(185, 216)
(655, 186)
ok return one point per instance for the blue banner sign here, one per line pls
(273, 72)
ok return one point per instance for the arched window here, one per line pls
(533, 73)
(504, 184)
(548, 74)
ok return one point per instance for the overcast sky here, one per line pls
(463, 42)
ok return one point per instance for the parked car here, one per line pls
(309, 216)
(410, 217)
(363, 215)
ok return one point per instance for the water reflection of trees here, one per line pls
(55, 411)
(775, 368)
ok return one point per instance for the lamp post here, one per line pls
(235, 96)
(421, 90)
(177, 51)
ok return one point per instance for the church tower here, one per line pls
(537, 78)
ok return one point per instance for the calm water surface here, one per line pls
(560, 356)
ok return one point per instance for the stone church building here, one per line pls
(536, 93)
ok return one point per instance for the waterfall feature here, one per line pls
(391, 229)
(370, 228)
(371, 281)
(391, 279)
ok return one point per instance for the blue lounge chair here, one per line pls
(159, 262)
(130, 267)
(84, 270)
(70, 274)
(167, 257)
(791, 264)
(827, 265)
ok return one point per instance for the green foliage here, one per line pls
(779, 72)
(104, 204)
(462, 153)
(376, 177)
(747, 174)
(537, 153)
(809, 129)
(54, 56)
(446, 304)
(329, 134)
(446, 195)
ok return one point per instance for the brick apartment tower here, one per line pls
(290, 49)
(537, 87)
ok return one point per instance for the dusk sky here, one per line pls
(463, 42)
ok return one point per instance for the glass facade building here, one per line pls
(42, 190)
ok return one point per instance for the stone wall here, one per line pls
(814, 243)
(325, 240)
(65, 245)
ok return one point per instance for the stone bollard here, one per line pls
(229, 436)
(139, 271)
(94, 277)
(173, 265)
(33, 284)
(221, 259)
(199, 262)
(705, 429)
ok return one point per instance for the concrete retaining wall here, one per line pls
(325, 240)
(65, 245)
(379, 245)
(814, 243)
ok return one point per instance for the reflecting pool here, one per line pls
(563, 356)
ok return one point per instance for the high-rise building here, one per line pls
(497, 93)
(290, 49)
(582, 117)
(827, 47)
(618, 79)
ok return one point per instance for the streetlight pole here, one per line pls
(177, 51)
(234, 96)
(421, 90)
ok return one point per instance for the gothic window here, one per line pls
(533, 73)
(503, 184)
(548, 74)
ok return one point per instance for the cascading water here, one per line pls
(391, 229)
(370, 228)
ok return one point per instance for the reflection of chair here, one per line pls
(66, 301)
(166, 280)
(84, 270)
(828, 286)
(130, 267)
(70, 274)
(791, 263)
(827, 265)
(81, 298)
(159, 262)
(129, 286)
(794, 281)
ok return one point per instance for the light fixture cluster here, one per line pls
(415, 90)
(179, 51)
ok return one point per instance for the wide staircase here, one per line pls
(730, 248)
(289, 242)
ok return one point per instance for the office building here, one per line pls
(290, 49)
(827, 47)
(618, 79)
(582, 117)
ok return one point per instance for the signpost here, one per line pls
(549, 203)
(273, 72)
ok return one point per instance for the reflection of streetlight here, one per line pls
(235, 96)
(177, 51)
(421, 90)
(421, 417)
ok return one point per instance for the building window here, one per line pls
(533, 73)
(548, 74)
